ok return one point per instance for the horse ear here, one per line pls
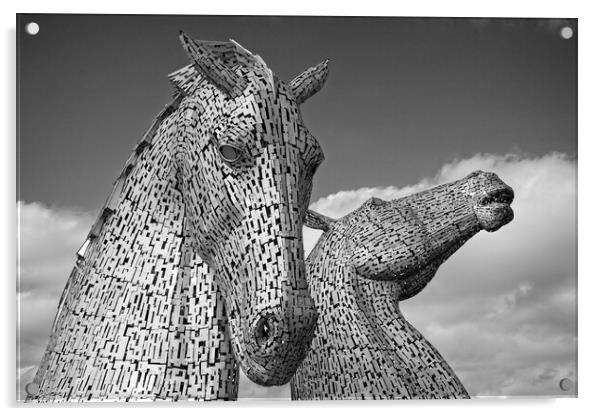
(317, 221)
(309, 82)
(213, 67)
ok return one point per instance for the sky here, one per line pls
(410, 103)
(404, 94)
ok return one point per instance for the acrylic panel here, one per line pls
(296, 208)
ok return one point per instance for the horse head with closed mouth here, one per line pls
(245, 162)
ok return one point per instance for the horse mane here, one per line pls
(145, 142)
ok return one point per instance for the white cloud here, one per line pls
(48, 240)
(502, 310)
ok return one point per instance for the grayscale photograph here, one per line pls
(295, 208)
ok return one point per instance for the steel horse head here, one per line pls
(196, 259)
(245, 163)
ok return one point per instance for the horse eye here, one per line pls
(230, 153)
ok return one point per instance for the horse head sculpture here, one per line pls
(411, 235)
(197, 256)
(245, 163)
(365, 264)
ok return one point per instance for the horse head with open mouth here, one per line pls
(366, 263)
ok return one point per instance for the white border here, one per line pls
(590, 113)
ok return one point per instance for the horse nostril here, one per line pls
(263, 331)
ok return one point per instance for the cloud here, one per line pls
(502, 310)
(48, 240)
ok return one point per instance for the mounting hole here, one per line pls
(32, 28)
(566, 32)
(566, 384)
(32, 388)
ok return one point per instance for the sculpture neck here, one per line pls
(140, 317)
